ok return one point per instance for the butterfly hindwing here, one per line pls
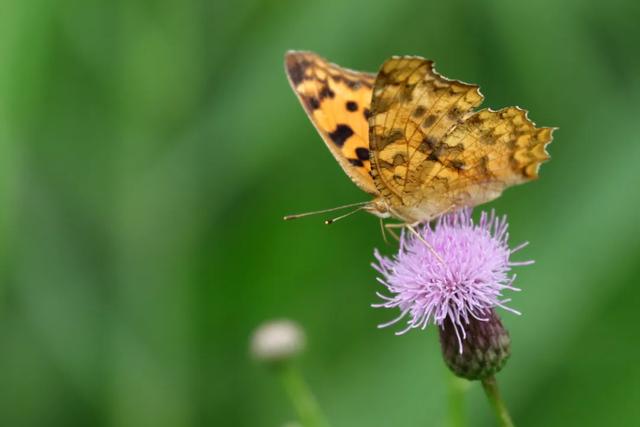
(337, 100)
(432, 153)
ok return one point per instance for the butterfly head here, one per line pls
(378, 207)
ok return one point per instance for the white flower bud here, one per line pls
(277, 340)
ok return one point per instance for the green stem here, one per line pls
(493, 394)
(301, 397)
(457, 390)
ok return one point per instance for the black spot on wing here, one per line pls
(326, 92)
(352, 106)
(296, 69)
(433, 157)
(431, 142)
(427, 145)
(367, 113)
(487, 138)
(429, 120)
(353, 84)
(454, 114)
(384, 140)
(356, 162)
(405, 93)
(341, 134)
(362, 153)
(457, 164)
(419, 112)
(312, 103)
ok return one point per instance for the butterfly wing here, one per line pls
(337, 100)
(431, 152)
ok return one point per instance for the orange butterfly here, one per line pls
(411, 137)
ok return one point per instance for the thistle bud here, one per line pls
(482, 353)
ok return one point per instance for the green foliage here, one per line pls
(148, 151)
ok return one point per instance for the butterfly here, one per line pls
(412, 138)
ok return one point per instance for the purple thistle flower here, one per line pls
(465, 284)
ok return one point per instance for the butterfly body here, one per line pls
(412, 138)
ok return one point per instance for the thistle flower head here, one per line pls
(464, 282)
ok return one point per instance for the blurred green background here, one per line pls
(148, 151)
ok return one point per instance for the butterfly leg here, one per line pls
(412, 229)
(384, 235)
(391, 226)
(385, 228)
(395, 225)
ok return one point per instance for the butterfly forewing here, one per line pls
(337, 100)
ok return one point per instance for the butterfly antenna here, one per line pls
(331, 221)
(296, 216)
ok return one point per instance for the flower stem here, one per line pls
(493, 394)
(457, 391)
(301, 397)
